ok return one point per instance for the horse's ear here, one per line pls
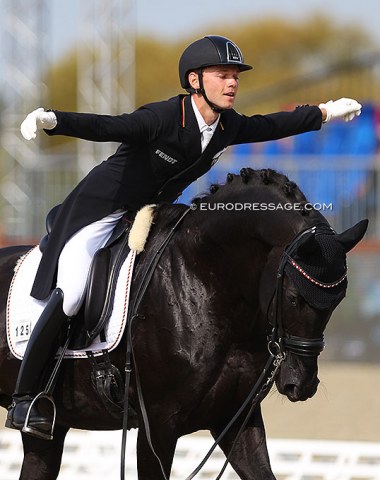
(307, 245)
(349, 238)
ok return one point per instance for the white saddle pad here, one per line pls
(23, 311)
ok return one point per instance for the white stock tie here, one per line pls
(206, 137)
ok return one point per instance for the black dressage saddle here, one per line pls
(101, 282)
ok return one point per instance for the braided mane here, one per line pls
(288, 189)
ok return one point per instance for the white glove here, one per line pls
(344, 108)
(37, 120)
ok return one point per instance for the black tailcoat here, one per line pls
(158, 157)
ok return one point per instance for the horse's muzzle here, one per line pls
(297, 379)
(298, 393)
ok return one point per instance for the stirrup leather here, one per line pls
(34, 431)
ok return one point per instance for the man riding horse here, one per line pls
(164, 147)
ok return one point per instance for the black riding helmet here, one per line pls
(206, 52)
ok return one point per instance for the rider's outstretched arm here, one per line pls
(140, 125)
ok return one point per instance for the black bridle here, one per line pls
(279, 339)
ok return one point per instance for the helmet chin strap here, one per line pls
(202, 91)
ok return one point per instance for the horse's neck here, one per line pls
(226, 262)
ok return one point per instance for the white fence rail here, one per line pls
(96, 455)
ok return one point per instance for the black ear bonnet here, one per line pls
(318, 269)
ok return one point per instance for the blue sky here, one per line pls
(170, 19)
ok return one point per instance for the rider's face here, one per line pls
(221, 84)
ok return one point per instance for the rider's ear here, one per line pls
(194, 80)
(350, 237)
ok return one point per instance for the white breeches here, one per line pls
(76, 257)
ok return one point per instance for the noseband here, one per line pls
(280, 340)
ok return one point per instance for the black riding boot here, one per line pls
(28, 413)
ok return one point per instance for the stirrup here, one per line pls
(34, 431)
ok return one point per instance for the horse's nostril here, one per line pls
(292, 392)
(295, 393)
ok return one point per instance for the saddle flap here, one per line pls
(106, 266)
(97, 286)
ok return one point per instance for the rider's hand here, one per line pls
(37, 120)
(344, 108)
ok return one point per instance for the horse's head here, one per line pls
(298, 286)
(311, 282)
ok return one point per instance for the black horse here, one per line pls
(201, 337)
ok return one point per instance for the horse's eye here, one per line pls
(293, 301)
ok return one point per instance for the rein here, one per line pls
(147, 276)
(279, 344)
(258, 392)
